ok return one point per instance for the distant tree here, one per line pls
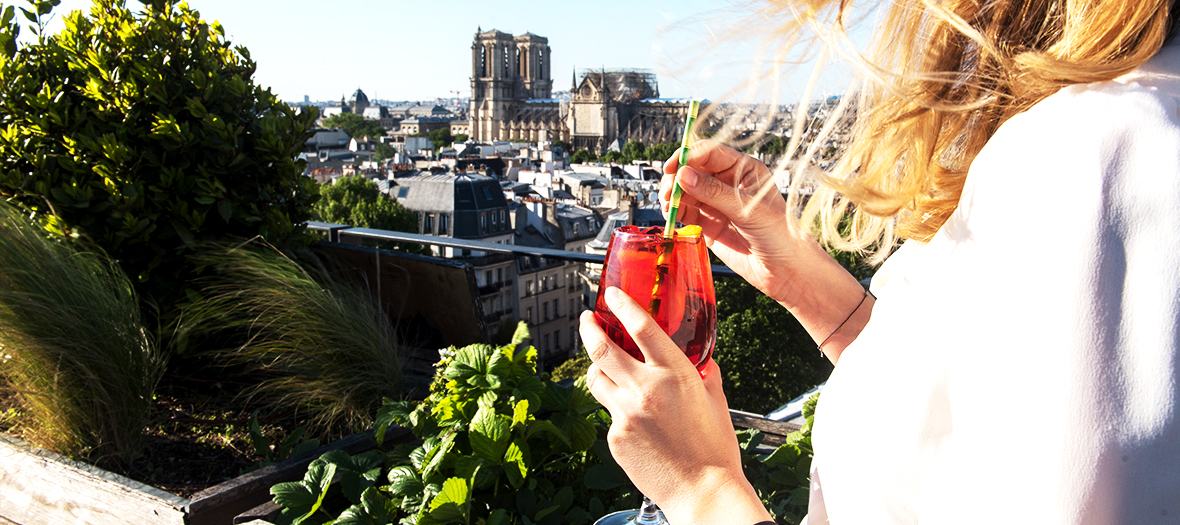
(612, 156)
(661, 152)
(384, 151)
(765, 354)
(772, 144)
(633, 150)
(582, 156)
(441, 138)
(573, 368)
(355, 125)
(462, 137)
(357, 201)
(566, 146)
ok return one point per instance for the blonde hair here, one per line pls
(938, 80)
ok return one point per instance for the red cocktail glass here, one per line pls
(671, 278)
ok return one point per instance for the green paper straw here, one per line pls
(693, 108)
(662, 262)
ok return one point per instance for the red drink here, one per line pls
(683, 304)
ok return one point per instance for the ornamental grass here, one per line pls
(311, 341)
(73, 347)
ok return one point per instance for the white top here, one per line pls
(1021, 367)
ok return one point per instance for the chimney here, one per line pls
(551, 212)
(633, 210)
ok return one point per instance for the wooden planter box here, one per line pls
(40, 487)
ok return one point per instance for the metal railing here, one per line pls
(348, 234)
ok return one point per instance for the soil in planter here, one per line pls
(198, 435)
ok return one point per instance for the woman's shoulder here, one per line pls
(1090, 131)
(1141, 102)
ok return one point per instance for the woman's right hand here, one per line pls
(744, 219)
(745, 222)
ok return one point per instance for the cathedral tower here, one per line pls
(505, 71)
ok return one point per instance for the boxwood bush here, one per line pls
(143, 132)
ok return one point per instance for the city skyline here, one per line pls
(415, 51)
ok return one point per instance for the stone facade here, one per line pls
(511, 89)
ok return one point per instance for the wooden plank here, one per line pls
(219, 504)
(775, 432)
(40, 487)
(266, 513)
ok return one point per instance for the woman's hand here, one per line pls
(745, 221)
(670, 429)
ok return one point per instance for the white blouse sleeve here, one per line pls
(1022, 366)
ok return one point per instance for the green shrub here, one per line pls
(573, 368)
(72, 345)
(315, 342)
(144, 133)
(497, 445)
(357, 201)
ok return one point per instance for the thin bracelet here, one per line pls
(820, 346)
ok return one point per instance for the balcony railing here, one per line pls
(349, 235)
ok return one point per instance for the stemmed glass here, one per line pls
(672, 277)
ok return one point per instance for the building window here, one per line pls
(483, 221)
(502, 217)
(487, 278)
(499, 275)
(442, 223)
(528, 287)
(545, 311)
(571, 307)
(557, 339)
(546, 346)
(556, 310)
(528, 316)
(576, 232)
(428, 224)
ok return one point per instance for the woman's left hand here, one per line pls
(670, 430)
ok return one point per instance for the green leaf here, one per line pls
(518, 337)
(404, 480)
(530, 388)
(546, 511)
(185, 234)
(601, 477)
(293, 494)
(514, 466)
(520, 413)
(783, 455)
(578, 515)
(489, 436)
(261, 443)
(451, 503)
(544, 425)
(436, 456)
(581, 432)
(305, 497)
(498, 517)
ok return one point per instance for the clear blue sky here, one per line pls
(418, 50)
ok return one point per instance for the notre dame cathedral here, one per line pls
(511, 90)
